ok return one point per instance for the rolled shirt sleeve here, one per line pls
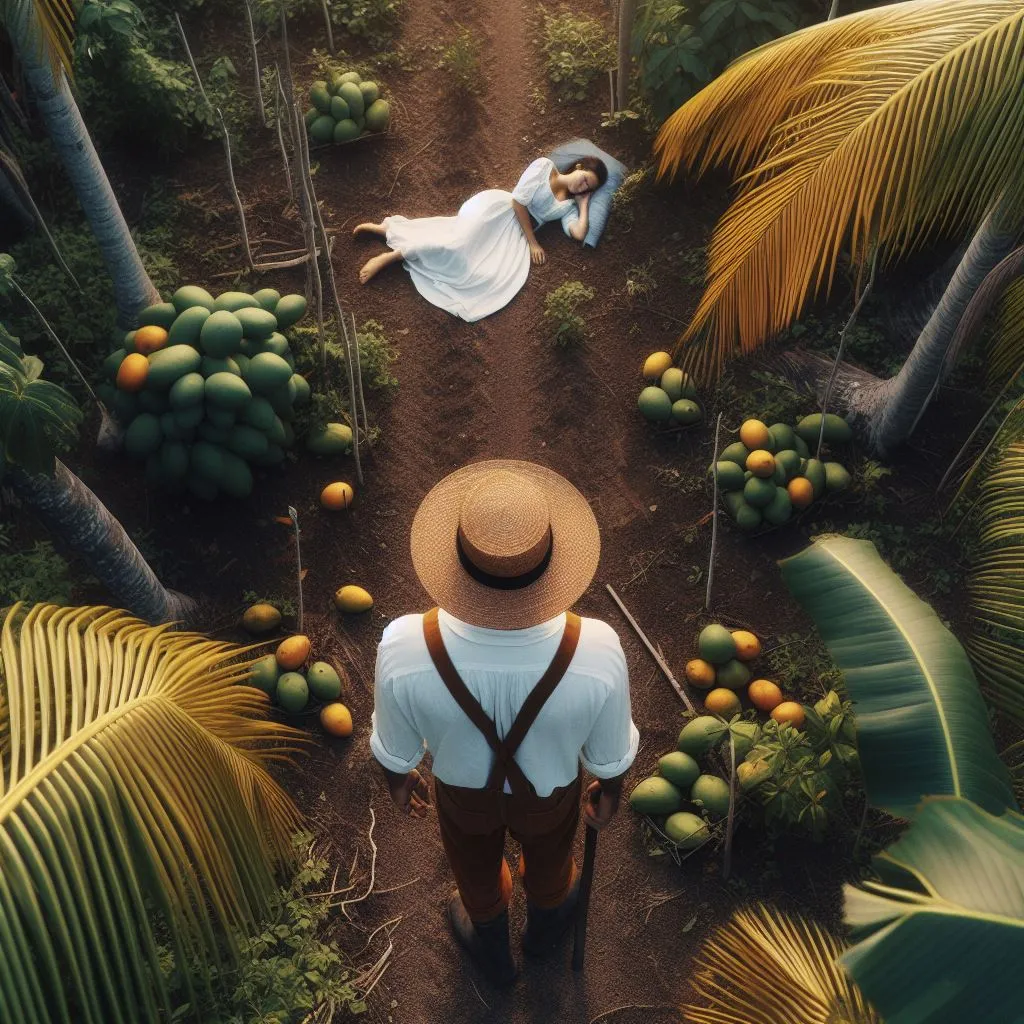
(395, 742)
(531, 180)
(570, 218)
(612, 745)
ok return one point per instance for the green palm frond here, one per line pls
(134, 802)
(764, 967)
(922, 727)
(996, 583)
(939, 937)
(876, 131)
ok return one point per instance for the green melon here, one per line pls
(733, 675)
(112, 362)
(259, 413)
(267, 372)
(242, 362)
(815, 472)
(789, 460)
(836, 477)
(124, 405)
(779, 509)
(186, 390)
(227, 391)
(672, 383)
(350, 93)
(339, 108)
(248, 442)
(680, 769)
(711, 793)
(751, 774)
(236, 480)
(310, 116)
(334, 83)
(378, 116)
(736, 452)
(207, 461)
(729, 475)
(257, 323)
(169, 427)
(191, 295)
(223, 419)
(214, 434)
(129, 342)
(322, 129)
(190, 416)
(275, 432)
(837, 430)
(772, 444)
(301, 387)
(290, 310)
(334, 439)
(687, 830)
(733, 501)
(151, 401)
(320, 97)
(264, 674)
(143, 436)
(655, 796)
(209, 366)
(268, 298)
(350, 76)
(170, 364)
(784, 436)
(187, 327)
(700, 735)
(324, 683)
(232, 301)
(292, 692)
(174, 460)
(716, 644)
(655, 404)
(758, 492)
(686, 411)
(276, 343)
(370, 91)
(160, 314)
(801, 449)
(345, 130)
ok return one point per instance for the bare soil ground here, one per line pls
(495, 389)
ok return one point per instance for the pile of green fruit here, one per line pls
(280, 675)
(769, 471)
(346, 108)
(680, 781)
(673, 398)
(206, 389)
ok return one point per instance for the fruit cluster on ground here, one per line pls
(206, 388)
(673, 398)
(769, 472)
(346, 108)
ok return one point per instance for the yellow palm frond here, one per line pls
(875, 131)
(56, 20)
(133, 791)
(1006, 353)
(765, 968)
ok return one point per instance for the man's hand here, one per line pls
(409, 793)
(537, 254)
(601, 804)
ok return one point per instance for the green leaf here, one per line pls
(922, 727)
(948, 911)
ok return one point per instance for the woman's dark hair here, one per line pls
(589, 163)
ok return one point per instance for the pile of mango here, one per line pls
(346, 108)
(673, 398)
(206, 389)
(769, 471)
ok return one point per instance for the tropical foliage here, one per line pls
(764, 967)
(922, 727)
(821, 129)
(135, 804)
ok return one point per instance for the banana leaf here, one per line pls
(939, 939)
(922, 727)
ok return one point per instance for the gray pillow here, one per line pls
(601, 200)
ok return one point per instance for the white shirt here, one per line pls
(586, 720)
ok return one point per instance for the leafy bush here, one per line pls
(576, 48)
(35, 575)
(289, 966)
(461, 59)
(679, 49)
(376, 21)
(561, 309)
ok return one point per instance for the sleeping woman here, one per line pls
(472, 264)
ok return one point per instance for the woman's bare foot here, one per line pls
(372, 267)
(369, 228)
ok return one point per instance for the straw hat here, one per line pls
(505, 544)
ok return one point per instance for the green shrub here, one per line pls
(35, 574)
(577, 49)
(375, 21)
(561, 310)
(461, 59)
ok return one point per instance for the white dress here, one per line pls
(473, 264)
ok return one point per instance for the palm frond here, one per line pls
(1006, 352)
(133, 796)
(764, 967)
(51, 29)
(871, 132)
(922, 727)
(938, 936)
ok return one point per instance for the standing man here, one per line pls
(510, 692)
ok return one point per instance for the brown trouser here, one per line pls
(473, 824)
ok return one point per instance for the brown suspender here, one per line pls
(505, 766)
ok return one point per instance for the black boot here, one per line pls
(486, 942)
(546, 926)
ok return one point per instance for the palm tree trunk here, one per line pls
(85, 526)
(133, 289)
(627, 15)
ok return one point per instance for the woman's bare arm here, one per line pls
(523, 216)
(580, 228)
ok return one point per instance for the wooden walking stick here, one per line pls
(579, 942)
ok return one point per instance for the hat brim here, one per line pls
(575, 551)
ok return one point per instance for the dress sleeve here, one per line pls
(612, 744)
(395, 741)
(570, 217)
(533, 177)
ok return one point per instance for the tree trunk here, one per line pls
(627, 15)
(133, 289)
(84, 525)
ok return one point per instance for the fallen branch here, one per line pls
(256, 65)
(402, 166)
(344, 905)
(632, 1006)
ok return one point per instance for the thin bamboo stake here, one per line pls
(662, 664)
(359, 374)
(714, 515)
(192, 63)
(256, 65)
(611, 91)
(327, 26)
(294, 516)
(234, 192)
(842, 344)
(731, 820)
(278, 97)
